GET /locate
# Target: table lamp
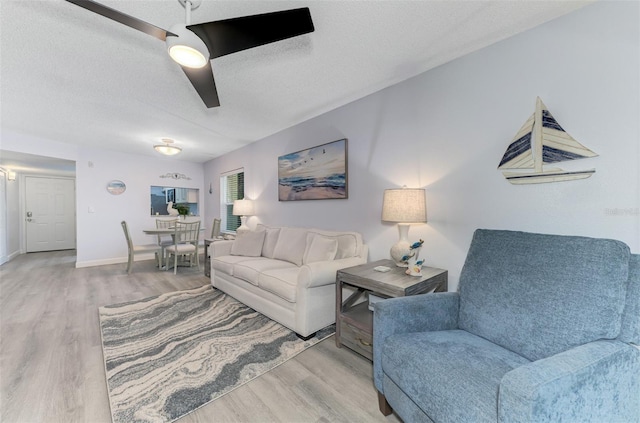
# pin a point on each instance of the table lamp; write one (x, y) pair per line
(243, 208)
(403, 206)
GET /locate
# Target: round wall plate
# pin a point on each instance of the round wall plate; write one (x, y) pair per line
(116, 187)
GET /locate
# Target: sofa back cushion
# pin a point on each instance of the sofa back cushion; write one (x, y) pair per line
(538, 295)
(319, 248)
(270, 240)
(291, 245)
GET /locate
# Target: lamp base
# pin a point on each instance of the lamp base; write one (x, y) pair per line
(399, 250)
(243, 228)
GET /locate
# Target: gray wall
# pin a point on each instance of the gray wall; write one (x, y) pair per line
(446, 130)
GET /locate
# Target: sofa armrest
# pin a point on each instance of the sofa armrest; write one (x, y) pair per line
(221, 248)
(419, 313)
(322, 273)
(593, 382)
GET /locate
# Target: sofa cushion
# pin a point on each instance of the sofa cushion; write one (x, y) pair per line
(349, 243)
(320, 248)
(281, 282)
(291, 245)
(249, 270)
(538, 295)
(249, 244)
(270, 240)
(462, 369)
(225, 264)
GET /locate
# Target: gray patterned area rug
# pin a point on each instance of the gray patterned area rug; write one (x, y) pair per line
(168, 355)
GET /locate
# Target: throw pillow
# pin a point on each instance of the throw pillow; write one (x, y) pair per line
(291, 245)
(320, 248)
(249, 244)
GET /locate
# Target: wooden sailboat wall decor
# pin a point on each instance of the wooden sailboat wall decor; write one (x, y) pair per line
(542, 141)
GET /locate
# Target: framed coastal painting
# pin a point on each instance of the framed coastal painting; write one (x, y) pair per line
(317, 173)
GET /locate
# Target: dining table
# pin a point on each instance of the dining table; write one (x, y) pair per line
(164, 231)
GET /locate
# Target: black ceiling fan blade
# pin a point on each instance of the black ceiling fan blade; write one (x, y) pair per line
(123, 18)
(203, 82)
(237, 34)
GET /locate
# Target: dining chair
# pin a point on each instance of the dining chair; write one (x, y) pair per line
(215, 228)
(185, 243)
(139, 249)
(163, 240)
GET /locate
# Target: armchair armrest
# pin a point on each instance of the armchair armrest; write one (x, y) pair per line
(324, 272)
(221, 248)
(593, 382)
(419, 313)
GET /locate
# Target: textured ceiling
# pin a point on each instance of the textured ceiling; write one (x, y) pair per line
(72, 76)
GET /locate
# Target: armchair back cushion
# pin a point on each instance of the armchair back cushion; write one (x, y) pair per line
(630, 331)
(510, 292)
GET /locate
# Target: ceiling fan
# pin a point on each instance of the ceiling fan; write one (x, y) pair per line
(193, 46)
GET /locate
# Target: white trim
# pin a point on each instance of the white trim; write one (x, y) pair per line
(115, 260)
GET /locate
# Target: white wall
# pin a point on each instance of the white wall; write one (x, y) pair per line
(12, 238)
(99, 235)
(447, 129)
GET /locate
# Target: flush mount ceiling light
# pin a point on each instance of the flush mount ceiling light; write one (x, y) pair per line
(167, 148)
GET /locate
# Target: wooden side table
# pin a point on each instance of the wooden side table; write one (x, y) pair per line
(354, 321)
(207, 259)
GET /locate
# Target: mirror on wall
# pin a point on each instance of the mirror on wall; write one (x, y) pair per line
(161, 196)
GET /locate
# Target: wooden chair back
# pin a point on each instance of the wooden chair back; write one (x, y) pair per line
(215, 229)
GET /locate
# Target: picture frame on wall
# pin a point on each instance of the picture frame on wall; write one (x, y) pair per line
(316, 173)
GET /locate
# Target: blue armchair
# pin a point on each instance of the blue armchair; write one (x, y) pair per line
(539, 331)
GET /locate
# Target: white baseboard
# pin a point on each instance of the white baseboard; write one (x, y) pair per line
(115, 260)
(5, 259)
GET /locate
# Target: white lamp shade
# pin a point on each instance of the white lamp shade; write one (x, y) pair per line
(243, 208)
(404, 205)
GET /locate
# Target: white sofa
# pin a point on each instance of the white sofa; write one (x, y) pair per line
(287, 274)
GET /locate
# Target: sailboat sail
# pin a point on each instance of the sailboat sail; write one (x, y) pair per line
(518, 154)
(557, 144)
(542, 140)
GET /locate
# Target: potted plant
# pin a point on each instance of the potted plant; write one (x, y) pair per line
(183, 209)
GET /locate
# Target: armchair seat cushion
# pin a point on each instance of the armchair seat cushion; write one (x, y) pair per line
(463, 373)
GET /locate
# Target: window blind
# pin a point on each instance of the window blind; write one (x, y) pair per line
(231, 189)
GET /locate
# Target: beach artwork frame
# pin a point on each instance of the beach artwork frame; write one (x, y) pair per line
(317, 173)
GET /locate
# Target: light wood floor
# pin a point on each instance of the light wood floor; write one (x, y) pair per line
(51, 367)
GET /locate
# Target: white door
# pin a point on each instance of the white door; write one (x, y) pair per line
(50, 214)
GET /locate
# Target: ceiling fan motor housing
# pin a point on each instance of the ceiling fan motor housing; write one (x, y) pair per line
(187, 48)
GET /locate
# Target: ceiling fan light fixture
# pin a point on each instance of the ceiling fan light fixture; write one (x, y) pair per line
(186, 48)
(167, 148)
